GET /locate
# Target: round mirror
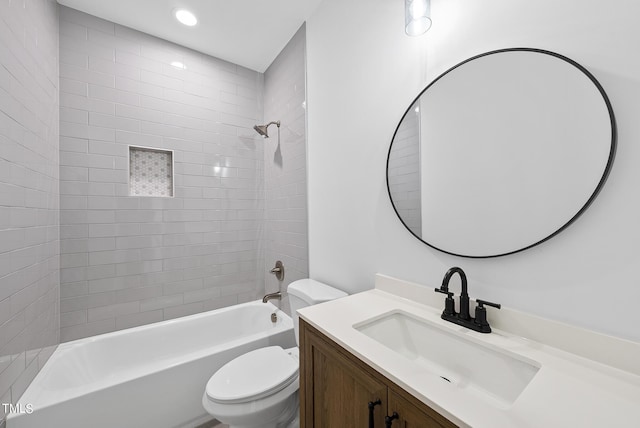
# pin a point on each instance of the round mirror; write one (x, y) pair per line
(501, 152)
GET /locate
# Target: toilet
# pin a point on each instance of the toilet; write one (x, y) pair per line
(260, 388)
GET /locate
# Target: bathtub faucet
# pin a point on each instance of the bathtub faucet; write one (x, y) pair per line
(276, 295)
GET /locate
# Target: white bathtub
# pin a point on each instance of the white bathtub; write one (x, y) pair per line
(150, 376)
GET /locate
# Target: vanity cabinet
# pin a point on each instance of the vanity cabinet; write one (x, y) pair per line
(338, 390)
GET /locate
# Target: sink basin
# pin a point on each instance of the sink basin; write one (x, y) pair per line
(490, 372)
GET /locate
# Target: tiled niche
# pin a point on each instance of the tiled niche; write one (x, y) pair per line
(150, 172)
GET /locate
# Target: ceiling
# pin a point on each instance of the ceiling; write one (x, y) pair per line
(250, 33)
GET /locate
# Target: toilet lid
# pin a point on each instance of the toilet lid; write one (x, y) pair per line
(253, 375)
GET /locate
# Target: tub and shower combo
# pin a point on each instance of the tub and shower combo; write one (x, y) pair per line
(149, 376)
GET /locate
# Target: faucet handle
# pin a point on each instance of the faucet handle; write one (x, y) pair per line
(484, 302)
(447, 292)
(449, 305)
(481, 315)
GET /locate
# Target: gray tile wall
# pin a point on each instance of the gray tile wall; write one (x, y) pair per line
(127, 261)
(404, 172)
(286, 165)
(29, 232)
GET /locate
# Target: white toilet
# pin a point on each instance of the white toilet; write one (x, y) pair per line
(260, 388)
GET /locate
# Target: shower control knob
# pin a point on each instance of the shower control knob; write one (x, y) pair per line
(278, 271)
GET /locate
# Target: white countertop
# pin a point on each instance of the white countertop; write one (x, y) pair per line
(567, 391)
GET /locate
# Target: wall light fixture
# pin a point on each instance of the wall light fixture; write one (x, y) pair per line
(417, 17)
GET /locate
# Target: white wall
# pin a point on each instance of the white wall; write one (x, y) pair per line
(362, 74)
(29, 187)
(285, 172)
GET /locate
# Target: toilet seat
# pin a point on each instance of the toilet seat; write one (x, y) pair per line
(252, 376)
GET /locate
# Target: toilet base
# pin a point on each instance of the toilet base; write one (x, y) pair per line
(289, 418)
(295, 423)
(278, 411)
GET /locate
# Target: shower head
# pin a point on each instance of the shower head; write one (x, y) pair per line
(262, 129)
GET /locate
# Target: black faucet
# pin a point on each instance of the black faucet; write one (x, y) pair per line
(463, 318)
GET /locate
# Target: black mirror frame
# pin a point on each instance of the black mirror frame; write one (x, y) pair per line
(605, 175)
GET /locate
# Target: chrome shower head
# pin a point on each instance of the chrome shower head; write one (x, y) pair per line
(262, 129)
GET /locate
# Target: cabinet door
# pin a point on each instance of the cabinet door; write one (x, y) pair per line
(411, 415)
(335, 391)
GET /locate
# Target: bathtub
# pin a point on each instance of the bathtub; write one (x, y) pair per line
(150, 376)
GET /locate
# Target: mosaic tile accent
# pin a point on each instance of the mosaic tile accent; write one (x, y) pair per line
(150, 172)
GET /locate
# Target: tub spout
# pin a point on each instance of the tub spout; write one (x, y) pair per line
(276, 295)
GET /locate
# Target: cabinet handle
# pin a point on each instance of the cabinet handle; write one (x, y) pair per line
(371, 405)
(388, 420)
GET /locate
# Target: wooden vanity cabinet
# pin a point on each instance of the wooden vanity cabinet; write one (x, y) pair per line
(414, 414)
(336, 389)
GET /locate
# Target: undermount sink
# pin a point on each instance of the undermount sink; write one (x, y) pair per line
(481, 369)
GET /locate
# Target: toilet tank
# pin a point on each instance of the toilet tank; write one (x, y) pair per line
(307, 292)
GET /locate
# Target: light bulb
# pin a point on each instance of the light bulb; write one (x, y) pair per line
(185, 17)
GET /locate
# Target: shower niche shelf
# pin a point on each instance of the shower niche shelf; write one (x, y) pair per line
(150, 172)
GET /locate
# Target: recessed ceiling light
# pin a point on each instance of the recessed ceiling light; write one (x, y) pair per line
(185, 17)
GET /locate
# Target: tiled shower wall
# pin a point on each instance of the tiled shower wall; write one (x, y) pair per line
(404, 172)
(286, 165)
(29, 233)
(128, 260)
